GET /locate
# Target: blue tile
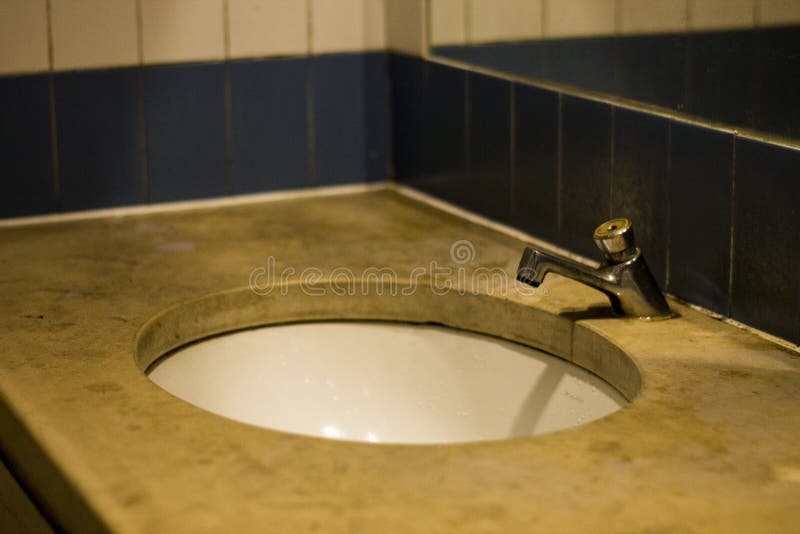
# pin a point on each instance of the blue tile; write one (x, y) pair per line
(585, 172)
(26, 163)
(97, 114)
(639, 183)
(700, 215)
(378, 115)
(185, 113)
(766, 233)
(406, 83)
(488, 186)
(442, 132)
(270, 133)
(536, 161)
(340, 135)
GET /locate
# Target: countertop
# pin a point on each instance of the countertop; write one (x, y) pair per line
(708, 444)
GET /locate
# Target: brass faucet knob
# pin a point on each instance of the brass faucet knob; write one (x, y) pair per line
(615, 239)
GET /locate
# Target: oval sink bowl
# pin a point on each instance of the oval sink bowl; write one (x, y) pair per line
(384, 382)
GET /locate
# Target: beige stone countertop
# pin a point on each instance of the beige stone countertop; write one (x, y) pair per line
(710, 442)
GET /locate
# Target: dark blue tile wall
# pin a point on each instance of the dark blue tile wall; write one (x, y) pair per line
(535, 199)
(639, 183)
(26, 164)
(406, 89)
(376, 96)
(766, 265)
(270, 124)
(585, 172)
(487, 189)
(340, 136)
(99, 149)
(185, 109)
(700, 215)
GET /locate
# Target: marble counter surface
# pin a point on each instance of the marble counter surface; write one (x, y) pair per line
(709, 443)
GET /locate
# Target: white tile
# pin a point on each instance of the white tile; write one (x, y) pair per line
(93, 33)
(375, 24)
(579, 18)
(23, 36)
(651, 16)
(447, 22)
(405, 22)
(720, 14)
(778, 12)
(267, 27)
(337, 26)
(504, 20)
(182, 30)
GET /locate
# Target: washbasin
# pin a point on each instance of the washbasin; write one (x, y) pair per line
(384, 382)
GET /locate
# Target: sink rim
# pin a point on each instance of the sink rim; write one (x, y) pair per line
(237, 309)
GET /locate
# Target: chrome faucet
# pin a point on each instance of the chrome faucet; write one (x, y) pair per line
(624, 276)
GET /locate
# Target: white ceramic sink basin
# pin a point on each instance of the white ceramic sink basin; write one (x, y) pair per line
(384, 382)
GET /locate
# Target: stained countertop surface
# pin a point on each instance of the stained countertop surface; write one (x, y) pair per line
(709, 442)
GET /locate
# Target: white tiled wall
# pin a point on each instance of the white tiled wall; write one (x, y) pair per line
(109, 33)
(476, 21)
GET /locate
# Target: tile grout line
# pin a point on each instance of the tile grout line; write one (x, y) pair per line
(228, 99)
(467, 126)
(142, 116)
(512, 147)
(311, 141)
(731, 250)
(51, 88)
(560, 165)
(669, 207)
(612, 162)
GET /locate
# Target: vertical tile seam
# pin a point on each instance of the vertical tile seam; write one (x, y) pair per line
(512, 147)
(467, 125)
(468, 21)
(668, 199)
(311, 141)
(144, 173)
(51, 97)
(612, 161)
(732, 222)
(543, 13)
(560, 164)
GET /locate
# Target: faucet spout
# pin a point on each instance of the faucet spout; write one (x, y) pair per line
(624, 276)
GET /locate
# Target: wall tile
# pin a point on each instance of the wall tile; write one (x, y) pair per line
(405, 30)
(185, 131)
(721, 14)
(651, 68)
(406, 86)
(443, 133)
(639, 183)
(376, 96)
(571, 18)
(585, 62)
(778, 12)
(267, 28)
(651, 16)
(23, 36)
(536, 161)
(270, 124)
(182, 30)
(504, 20)
(338, 26)
(98, 138)
(719, 63)
(700, 215)
(26, 163)
(94, 33)
(339, 118)
(778, 64)
(446, 22)
(488, 186)
(586, 172)
(766, 286)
